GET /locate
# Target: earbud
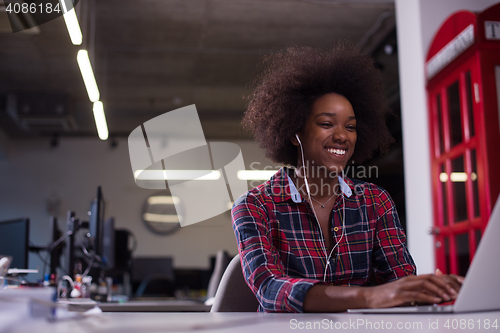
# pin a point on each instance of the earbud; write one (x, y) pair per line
(297, 136)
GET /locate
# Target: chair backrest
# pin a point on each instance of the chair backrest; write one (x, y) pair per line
(222, 259)
(233, 294)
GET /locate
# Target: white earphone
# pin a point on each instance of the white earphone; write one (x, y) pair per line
(303, 165)
(314, 211)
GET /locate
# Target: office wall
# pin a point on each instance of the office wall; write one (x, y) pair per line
(35, 179)
(417, 21)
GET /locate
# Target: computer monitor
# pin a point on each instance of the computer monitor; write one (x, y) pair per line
(55, 254)
(14, 241)
(153, 276)
(96, 222)
(123, 253)
(108, 244)
(144, 267)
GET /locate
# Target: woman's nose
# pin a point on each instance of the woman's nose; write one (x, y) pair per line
(340, 134)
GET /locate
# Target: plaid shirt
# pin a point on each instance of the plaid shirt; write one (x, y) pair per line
(282, 249)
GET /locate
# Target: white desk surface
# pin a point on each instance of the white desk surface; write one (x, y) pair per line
(152, 306)
(120, 322)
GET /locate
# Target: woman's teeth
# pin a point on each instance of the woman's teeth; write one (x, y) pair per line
(337, 151)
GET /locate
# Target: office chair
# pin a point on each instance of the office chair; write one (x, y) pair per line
(233, 294)
(222, 259)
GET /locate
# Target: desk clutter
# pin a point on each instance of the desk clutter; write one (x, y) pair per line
(91, 263)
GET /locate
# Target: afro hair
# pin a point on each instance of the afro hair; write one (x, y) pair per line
(298, 76)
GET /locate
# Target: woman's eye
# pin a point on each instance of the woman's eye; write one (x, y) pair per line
(326, 124)
(351, 128)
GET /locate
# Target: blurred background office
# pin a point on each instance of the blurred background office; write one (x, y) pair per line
(151, 57)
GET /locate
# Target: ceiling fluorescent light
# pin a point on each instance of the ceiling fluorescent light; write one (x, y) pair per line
(72, 24)
(163, 200)
(457, 177)
(177, 174)
(443, 177)
(100, 121)
(255, 174)
(88, 75)
(161, 218)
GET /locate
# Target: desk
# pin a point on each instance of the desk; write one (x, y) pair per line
(257, 322)
(155, 306)
(141, 306)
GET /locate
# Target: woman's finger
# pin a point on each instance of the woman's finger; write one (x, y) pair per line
(446, 283)
(428, 284)
(413, 297)
(438, 290)
(460, 279)
(453, 282)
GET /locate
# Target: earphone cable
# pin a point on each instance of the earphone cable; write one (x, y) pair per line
(329, 256)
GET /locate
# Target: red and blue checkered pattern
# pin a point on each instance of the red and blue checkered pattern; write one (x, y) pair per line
(281, 244)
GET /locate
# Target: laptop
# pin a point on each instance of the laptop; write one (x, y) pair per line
(480, 290)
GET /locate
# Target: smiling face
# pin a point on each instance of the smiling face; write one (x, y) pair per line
(329, 135)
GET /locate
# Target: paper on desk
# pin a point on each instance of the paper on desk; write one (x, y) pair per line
(17, 306)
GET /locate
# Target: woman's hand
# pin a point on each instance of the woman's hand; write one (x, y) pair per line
(453, 280)
(427, 289)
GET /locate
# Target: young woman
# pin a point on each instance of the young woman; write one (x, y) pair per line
(310, 238)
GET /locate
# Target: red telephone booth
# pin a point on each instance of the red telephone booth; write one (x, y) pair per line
(463, 90)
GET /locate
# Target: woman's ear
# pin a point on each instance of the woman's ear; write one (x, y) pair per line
(294, 140)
